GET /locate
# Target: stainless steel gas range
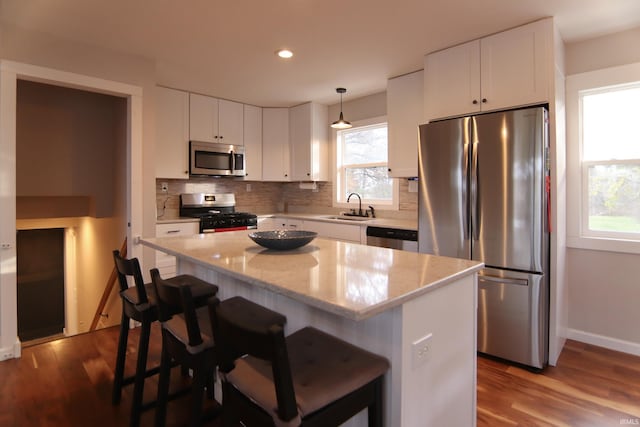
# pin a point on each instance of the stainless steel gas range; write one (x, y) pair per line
(217, 212)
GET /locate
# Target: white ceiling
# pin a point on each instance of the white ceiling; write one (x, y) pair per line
(226, 48)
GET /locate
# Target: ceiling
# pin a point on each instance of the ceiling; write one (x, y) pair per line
(226, 48)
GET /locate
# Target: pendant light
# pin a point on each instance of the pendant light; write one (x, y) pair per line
(341, 123)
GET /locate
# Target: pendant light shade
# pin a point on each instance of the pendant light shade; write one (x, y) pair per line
(341, 123)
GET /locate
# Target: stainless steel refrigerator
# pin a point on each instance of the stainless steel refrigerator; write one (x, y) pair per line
(483, 195)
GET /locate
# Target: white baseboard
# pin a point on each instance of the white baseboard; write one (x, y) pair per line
(604, 341)
(12, 352)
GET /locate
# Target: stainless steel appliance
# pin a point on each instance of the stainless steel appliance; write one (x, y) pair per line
(210, 159)
(483, 195)
(216, 212)
(394, 238)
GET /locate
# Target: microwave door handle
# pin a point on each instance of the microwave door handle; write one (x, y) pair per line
(232, 161)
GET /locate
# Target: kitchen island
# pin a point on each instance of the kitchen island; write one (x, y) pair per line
(417, 310)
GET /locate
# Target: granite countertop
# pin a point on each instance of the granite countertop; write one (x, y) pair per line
(405, 224)
(351, 280)
(377, 222)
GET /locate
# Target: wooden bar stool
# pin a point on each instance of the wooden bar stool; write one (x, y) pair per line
(310, 378)
(188, 341)
(139, 304)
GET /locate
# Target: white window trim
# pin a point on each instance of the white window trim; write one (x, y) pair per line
(576, 222)
(395, 203)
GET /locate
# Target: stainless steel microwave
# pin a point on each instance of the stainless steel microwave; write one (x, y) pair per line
(210, 159)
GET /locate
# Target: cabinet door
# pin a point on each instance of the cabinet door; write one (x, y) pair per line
(309, 142)
(514, 67)
(172, 133)
(343, 232)
(203, 118)
(300, 142)
(230, 122)
(452, 81)
(253, 143)
(405, 112)
(275, 144)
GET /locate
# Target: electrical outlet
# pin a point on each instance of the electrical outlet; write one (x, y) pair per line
(249, 188)
(164, 187)
(421, 350)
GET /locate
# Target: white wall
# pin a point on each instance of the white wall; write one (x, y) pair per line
(604, 287)
(40, 49)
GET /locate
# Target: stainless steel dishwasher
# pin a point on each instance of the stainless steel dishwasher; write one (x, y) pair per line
(394, 238)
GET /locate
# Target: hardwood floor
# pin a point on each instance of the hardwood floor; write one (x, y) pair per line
(589, 387)
(67, 382)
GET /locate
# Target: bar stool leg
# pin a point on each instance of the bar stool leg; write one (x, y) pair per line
(141, 368)
(375, 409)
(120, 358)
(163, 388)
(197, 393)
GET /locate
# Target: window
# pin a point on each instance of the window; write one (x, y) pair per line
(604, 161)
(611, 161)
(362, 166)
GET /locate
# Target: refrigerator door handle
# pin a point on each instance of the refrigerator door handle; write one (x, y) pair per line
(505, 280)
(465, 179)
(474, 199)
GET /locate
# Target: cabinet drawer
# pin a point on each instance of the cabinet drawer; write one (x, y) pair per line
(176, 229)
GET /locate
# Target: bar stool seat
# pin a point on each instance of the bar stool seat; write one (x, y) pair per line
(139, 304)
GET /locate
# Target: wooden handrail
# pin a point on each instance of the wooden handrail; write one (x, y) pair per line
(108, 288)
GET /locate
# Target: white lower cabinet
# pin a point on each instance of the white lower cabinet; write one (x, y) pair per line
(344, 232)
(166, 264)
(330, 230)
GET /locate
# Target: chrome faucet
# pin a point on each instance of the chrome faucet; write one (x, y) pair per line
(359, 202)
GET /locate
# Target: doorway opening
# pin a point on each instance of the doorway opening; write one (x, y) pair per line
(40, 281)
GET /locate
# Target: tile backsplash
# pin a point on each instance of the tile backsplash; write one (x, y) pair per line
(269, 197)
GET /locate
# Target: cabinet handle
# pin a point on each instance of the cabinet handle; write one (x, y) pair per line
(285, 175)
(388, 169)
(484, 100)
(475, 101)
(215, 137)
(221, 136)
(172, 231)
(308, 174)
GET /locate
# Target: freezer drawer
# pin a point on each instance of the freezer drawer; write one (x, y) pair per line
(513, 312)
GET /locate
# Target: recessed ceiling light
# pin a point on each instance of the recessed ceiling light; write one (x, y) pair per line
(284, 53)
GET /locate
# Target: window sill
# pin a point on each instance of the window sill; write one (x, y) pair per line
(606, 245)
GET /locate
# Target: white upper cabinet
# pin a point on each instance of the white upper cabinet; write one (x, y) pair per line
(505, 70)
(275, 144)
(405, 111)
(253, 143)
(215, 120)
(172, 133)
(309, 142)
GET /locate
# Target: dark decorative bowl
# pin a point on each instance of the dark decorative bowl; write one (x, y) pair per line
(282, 240)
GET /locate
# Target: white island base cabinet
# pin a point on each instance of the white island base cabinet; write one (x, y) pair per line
(432, 381)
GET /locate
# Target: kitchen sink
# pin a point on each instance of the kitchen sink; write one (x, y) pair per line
(348, 218)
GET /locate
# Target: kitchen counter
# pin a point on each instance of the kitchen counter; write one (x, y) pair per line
(404, 224)
(417, 310)
(350, 280)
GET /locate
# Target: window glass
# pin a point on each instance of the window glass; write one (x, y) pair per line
(362, 164)
(611, 161)
(610, 124)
